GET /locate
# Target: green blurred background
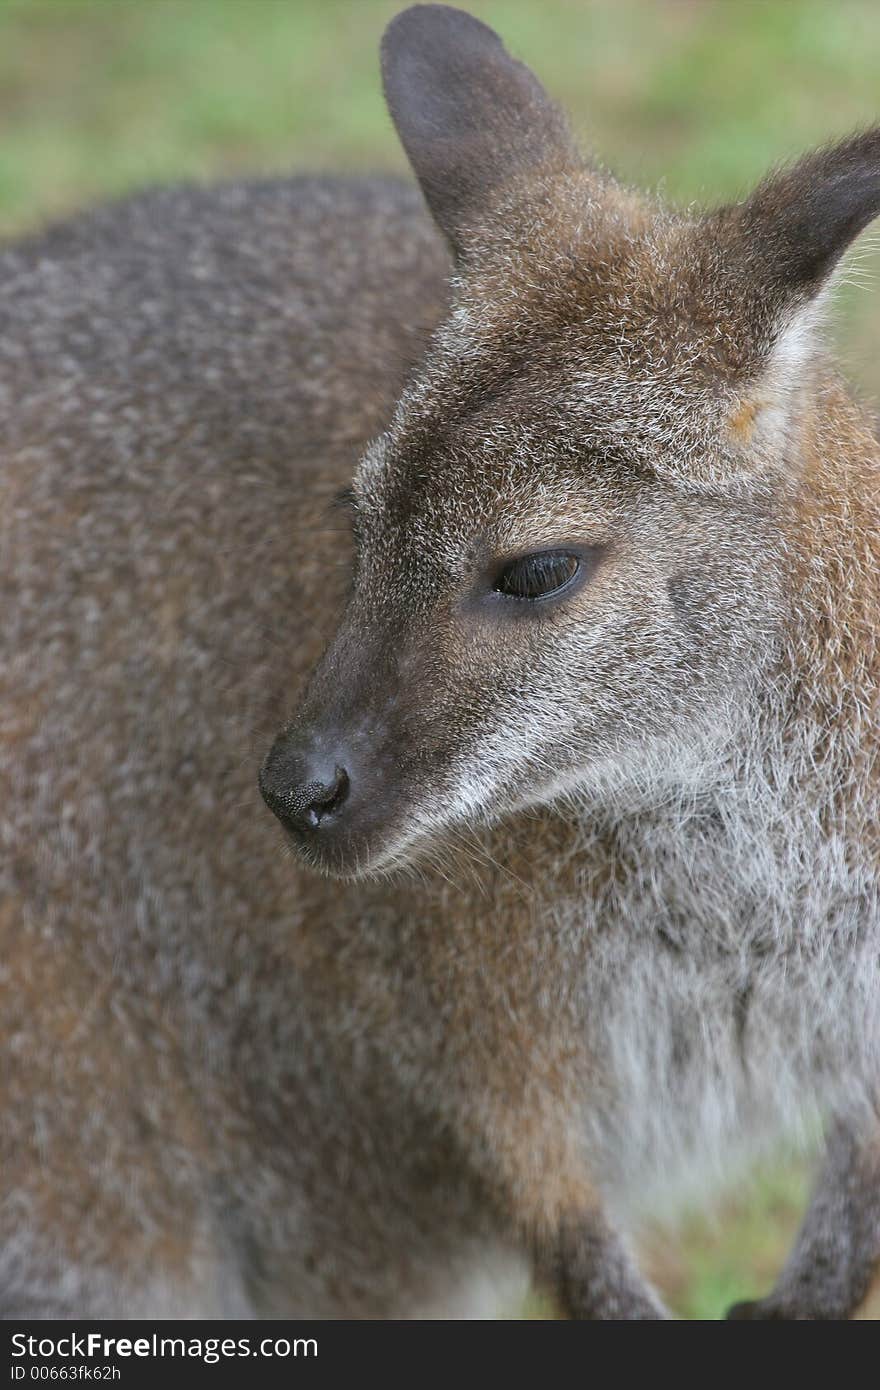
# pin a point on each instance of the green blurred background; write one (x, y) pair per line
(697, 97)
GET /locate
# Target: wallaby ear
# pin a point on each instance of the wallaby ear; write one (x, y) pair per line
(770, 259)
(784, 241)
(801, 219)
(470, 117)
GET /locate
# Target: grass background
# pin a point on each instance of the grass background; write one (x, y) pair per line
(697, 97)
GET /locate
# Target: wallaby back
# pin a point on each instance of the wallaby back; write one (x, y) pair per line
(187, 380)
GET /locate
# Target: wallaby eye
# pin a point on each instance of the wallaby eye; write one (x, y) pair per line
(537, 576)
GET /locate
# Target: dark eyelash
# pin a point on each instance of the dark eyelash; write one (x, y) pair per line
(542, 575)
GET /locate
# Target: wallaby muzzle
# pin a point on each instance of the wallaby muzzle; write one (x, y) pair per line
(333, 775)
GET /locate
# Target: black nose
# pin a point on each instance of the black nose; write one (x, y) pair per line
(303, 795)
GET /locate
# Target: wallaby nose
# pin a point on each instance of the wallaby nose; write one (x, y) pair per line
(304, 793)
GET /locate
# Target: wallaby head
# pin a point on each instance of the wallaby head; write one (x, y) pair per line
(569, 564)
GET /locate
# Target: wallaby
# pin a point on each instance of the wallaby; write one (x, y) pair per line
(589, 770)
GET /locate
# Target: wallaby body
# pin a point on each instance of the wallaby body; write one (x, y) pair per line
(639, 938)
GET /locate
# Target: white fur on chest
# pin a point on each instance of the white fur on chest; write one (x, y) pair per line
(732, 993)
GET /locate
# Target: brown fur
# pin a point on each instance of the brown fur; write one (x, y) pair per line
(606, 868)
